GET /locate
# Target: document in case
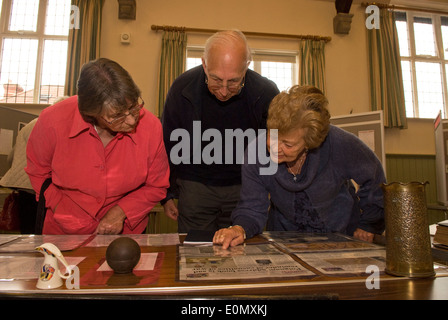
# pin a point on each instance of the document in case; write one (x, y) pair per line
(154, 240)
(353, 262)
(240, 262)
(27, 243)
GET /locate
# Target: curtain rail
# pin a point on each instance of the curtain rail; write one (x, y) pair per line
(404, 8)
(255, 34)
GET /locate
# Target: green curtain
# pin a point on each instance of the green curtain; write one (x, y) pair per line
(312, 63)
(172, 62)
(386, 81)
(84, 42)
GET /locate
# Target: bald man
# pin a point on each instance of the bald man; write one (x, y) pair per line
(210, 114)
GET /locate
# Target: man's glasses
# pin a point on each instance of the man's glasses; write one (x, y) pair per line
(232, 85)
(133, 111)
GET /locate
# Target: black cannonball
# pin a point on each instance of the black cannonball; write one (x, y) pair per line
(123, 254)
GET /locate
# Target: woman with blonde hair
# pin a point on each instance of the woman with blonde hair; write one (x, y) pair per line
(312, 189)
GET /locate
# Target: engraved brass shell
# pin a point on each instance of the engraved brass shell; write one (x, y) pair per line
(408, 244)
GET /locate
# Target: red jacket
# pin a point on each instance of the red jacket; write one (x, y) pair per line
(88, 179)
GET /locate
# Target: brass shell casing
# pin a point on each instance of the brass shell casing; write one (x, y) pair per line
(408, 244)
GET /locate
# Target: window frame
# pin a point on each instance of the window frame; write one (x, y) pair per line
(440, 57)
(39, 35)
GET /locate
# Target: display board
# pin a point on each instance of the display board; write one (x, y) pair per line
(11, 121)
(369, 127)
(441, 141)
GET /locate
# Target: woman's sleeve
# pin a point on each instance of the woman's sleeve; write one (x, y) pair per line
(40, 149)
(252, 210)
(362, 166)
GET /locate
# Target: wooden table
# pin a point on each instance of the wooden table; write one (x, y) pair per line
(167, 285)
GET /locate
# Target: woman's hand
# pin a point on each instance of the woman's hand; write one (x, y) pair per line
(363, 235)
(112, 222)
(171, 210)
(231, 236)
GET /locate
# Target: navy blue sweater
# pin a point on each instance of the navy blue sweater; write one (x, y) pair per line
(322, 199)
(189, 101)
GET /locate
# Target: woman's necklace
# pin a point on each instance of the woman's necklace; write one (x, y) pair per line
(299, 169)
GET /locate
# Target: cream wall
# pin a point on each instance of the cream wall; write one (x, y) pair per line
(346, 55)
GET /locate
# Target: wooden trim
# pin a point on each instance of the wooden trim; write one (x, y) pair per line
(247, 33)
(404, 8)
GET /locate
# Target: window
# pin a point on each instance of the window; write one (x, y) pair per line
(423, 41)
(33, 50)
(280, 67)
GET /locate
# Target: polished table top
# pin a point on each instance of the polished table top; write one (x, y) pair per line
(166, 283)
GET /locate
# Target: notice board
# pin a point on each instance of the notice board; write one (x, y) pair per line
(11, 121)
(369, 127)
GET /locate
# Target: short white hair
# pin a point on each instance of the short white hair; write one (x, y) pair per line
(228, 37)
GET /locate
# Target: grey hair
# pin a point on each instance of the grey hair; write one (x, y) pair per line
(228, 37)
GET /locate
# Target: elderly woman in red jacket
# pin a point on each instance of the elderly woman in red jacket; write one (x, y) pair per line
(104, 154)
